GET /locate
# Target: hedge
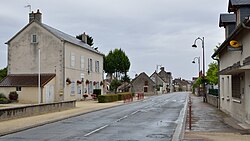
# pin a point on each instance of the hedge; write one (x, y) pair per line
(113, 97)
(121, 95)
(107, 98)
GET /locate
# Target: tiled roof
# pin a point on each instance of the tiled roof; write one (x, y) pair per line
(227, 18)
(25, 80)
(240, 2)
(69, 38)
(235, 3)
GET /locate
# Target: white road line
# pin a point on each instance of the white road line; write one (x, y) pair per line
(96, 130)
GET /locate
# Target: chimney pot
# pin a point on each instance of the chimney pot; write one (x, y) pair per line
(35, 16)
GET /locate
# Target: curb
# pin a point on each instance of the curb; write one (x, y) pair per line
(180, 129)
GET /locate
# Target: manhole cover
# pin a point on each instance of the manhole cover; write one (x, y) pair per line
(158, 136)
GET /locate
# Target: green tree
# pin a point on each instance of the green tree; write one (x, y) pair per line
(90, 40)
(114, 85)
(3, 73)
(212, 76)
(116, 62)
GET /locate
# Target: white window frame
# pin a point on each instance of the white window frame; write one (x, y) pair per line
(72, 88)
(82, 62)
(97, 66)
(90, 65)
(34, 38)
(72, 59)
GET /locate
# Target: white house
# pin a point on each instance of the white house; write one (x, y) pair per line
(76, 67)
(234, 61)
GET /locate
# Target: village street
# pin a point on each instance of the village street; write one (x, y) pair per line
(153, 119)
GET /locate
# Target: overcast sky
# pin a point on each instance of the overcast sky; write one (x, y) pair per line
(151, 32)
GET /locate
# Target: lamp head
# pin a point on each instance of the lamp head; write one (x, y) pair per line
(194, 45)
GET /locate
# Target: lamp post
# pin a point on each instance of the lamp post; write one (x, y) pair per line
(198, 58)
(156, 86)
(203, 60)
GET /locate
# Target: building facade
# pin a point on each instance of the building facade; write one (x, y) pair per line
(234, 61)
(78, 68)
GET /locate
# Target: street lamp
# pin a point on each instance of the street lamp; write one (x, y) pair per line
(203, 60)
(198, 58)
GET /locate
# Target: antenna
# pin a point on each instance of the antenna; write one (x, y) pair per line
(28, 6)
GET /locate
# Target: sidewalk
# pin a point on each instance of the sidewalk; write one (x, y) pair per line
(15, 125)
(210, 124)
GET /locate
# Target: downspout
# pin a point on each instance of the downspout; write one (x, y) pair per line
(218, 81)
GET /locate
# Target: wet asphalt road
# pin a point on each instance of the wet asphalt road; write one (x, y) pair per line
(154, 119)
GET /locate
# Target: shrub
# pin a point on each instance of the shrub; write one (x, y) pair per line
(4, 100)
(13, 96)
(97, 92)
(121, 95)
(107, 98)
(2, 95)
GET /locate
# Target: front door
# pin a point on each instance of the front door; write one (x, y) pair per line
(49, 93)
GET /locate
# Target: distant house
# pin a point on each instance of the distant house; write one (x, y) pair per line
(143, 84)
(159, 82)
(181, 85)
(167, 78)
(76, 67)
(234, 61)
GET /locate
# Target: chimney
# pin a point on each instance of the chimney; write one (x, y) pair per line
(84, 37)
(35, 16)
(162, 68)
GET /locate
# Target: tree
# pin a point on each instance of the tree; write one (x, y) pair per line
(116, 62)
(114, 85)
(212, 76)
(3, 73)
(90, 40)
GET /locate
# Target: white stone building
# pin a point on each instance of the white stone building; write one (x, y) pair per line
(234, 61)
(77, 67)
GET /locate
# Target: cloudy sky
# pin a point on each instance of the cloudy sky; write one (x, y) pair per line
(151, 32)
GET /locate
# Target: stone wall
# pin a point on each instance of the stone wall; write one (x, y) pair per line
(213, 100)
(36, 109)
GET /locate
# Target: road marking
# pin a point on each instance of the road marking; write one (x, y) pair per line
(96, 130)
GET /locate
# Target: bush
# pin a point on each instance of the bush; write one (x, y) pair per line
(97, 92)
(13, 96)
(2, 95)
(107, 98)
(121, 95)
(4, 100)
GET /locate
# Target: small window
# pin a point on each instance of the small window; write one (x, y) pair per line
(90, 65)
(97, 66)
(146, 83)
(82, 62)
(145, 89)
(72, 88)
(34, 38)
(18, 89)
(72, 60)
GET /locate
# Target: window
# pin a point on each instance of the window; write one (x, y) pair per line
(72, 88)
(72, 59)
(34, 38)
(90, 65)
(145, 89)
(236, 86)
(146, 83)
(82, 62)
(18, 89)
(97, 66)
